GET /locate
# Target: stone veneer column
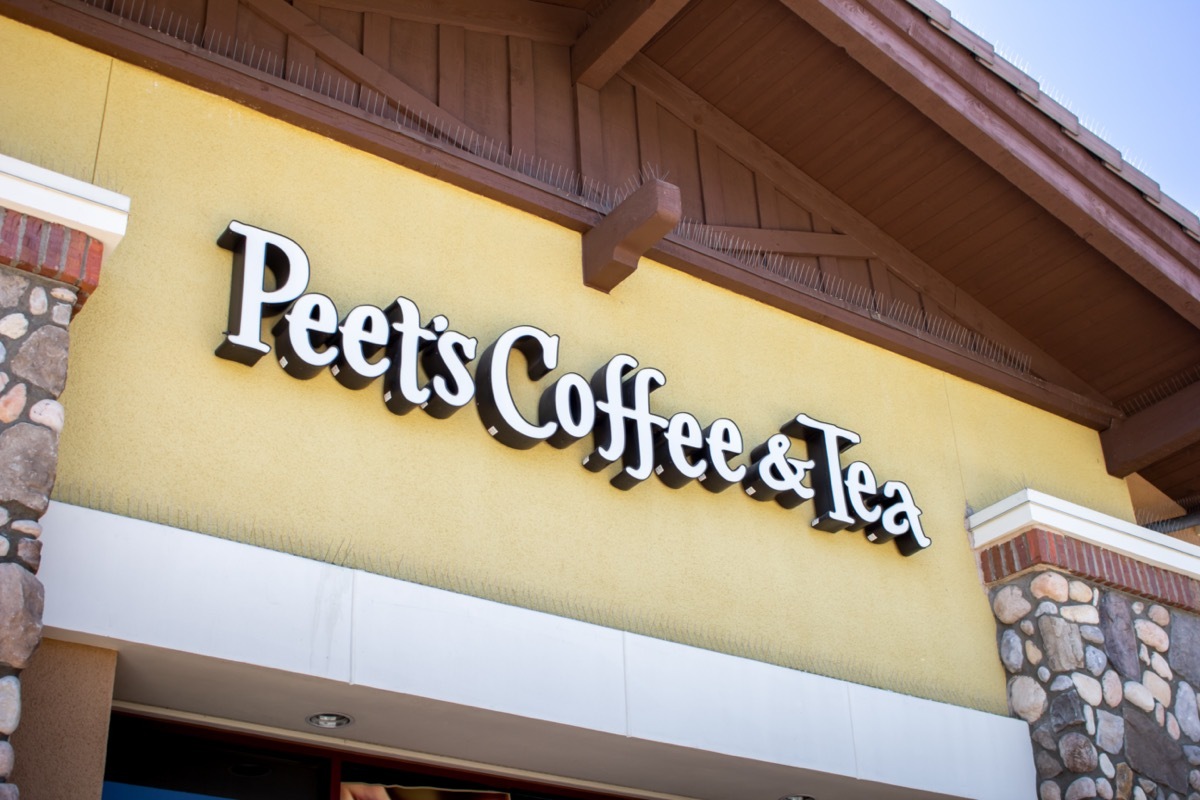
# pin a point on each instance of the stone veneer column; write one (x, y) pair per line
(47, 270)
(1103, 654)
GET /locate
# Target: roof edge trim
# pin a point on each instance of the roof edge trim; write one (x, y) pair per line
(1028, 87)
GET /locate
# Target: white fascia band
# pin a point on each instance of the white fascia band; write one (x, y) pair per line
(1033, 509)
(214, 627)
(53, 197)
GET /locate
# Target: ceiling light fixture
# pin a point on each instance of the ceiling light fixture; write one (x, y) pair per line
(798, 797)
(329, 720)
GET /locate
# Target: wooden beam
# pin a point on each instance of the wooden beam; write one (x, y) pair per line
(830, 267)
(798, 242)
(767, 198)
(1149, 436)
(1101, 217)
(754, 153)
(353, 63)
(541, 22)
(616, 36)
(611, 250)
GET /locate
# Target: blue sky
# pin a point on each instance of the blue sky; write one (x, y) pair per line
(1130, 69)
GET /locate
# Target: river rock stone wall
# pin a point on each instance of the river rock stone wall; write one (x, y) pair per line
(47, 271)
(34, 316)
(1107, 682)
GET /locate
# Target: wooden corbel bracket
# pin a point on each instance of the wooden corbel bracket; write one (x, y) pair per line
(611, 249)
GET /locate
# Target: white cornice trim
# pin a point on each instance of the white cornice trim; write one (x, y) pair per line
(1029, 508)
(48, 195)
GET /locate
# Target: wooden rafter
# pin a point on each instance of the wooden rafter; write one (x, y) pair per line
(616, 36)
(353, 63)
(952, 100)
(756, 154)
(1162, 430)
(531, 20)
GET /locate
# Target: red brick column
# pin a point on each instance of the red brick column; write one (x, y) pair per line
(1046, 548)
(47, 272)
(52, 251)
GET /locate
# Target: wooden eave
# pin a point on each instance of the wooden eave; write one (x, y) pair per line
(870, 165)
(950, 85)
(1000, 115)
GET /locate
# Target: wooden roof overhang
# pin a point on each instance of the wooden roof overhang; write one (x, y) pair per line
(870, 165)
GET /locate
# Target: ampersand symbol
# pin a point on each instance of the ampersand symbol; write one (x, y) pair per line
(773, 475)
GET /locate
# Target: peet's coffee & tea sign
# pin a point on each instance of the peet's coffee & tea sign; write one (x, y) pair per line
(426, 366)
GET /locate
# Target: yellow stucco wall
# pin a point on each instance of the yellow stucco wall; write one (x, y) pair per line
(158, 427)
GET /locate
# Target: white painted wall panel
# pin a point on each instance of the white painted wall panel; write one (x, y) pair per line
(446, 646)
(138, 581)
(710, 701)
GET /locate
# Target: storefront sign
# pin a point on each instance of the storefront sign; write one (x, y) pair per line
(425, 366)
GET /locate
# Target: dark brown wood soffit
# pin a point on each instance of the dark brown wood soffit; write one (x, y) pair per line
(898, 45)
(438, 149)
(846, 129)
